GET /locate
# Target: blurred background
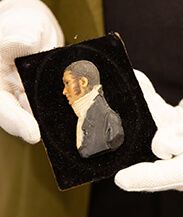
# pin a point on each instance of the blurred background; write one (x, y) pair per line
(153, 35)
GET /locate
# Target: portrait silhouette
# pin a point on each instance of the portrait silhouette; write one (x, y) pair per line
(99, 128)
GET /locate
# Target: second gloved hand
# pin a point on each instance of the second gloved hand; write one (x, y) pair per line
(167, 144)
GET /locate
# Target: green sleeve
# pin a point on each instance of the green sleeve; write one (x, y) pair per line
(80, 20)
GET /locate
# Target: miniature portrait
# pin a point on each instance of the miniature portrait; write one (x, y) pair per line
(92, 115)
(99, 128)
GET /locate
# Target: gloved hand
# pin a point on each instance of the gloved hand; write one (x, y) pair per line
(167, 144)
(27, 26)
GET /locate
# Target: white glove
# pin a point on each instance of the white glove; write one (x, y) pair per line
(167, 144)
(26, 27)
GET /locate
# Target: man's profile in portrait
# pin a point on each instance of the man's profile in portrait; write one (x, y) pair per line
(99, 128)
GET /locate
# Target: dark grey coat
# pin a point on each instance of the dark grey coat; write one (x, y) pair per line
(102, 129)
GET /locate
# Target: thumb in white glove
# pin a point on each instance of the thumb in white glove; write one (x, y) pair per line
(167, 144)
(26, 27)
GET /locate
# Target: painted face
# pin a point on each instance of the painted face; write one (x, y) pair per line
(73, 89)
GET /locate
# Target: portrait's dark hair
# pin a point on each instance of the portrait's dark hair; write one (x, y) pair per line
(85, 68)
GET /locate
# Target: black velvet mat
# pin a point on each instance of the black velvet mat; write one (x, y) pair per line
(42, 74)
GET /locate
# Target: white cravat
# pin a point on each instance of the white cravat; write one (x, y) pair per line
(80, 108)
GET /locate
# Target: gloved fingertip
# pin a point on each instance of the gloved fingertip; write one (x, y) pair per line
(122, 180)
